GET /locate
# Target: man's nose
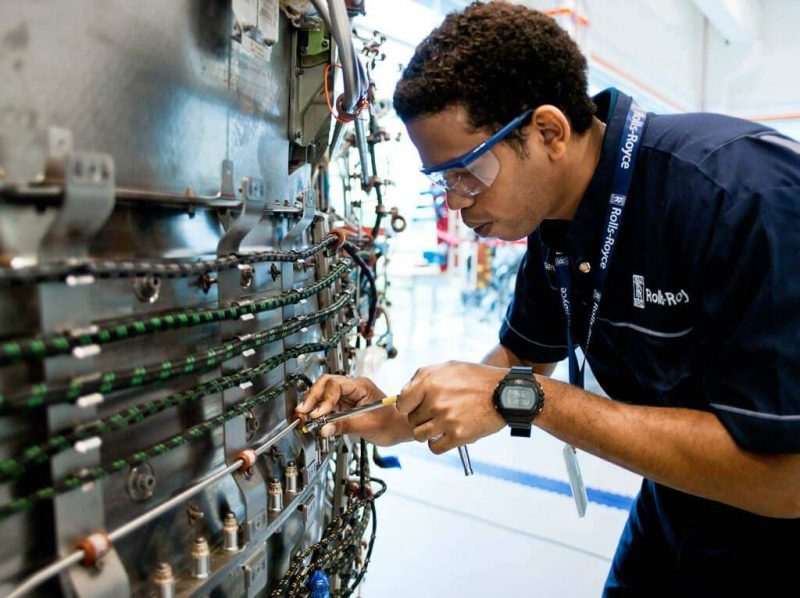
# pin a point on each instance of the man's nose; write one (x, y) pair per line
(458, 202)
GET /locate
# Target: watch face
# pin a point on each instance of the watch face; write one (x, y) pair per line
(517, 397)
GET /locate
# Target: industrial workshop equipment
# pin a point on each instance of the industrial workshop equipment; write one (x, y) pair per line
(170, 283)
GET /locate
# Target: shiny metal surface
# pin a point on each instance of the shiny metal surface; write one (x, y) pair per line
(201, 559)
(125, 131)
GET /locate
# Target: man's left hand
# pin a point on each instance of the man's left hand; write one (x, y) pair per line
(451, 404)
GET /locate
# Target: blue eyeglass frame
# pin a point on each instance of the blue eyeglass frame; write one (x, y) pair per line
(464, 160)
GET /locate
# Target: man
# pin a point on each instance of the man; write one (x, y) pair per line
(676, 240)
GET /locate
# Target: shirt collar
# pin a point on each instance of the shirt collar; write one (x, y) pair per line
(581, 237)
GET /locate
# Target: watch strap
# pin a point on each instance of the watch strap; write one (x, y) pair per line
(519, 430)
(520, 371)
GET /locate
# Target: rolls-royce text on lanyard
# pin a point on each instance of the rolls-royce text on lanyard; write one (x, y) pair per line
(623, 175)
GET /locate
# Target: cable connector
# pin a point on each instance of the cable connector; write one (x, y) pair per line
(248, 457)
(94, 546)
(341, 235)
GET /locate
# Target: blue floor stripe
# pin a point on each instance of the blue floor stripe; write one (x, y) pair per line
(602, 497)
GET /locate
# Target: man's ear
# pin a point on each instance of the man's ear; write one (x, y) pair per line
(551, 127)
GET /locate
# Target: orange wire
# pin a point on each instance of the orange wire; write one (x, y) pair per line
(361, 104)
(328, 95)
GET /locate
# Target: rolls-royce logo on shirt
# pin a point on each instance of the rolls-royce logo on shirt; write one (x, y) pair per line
(642, 295)
(638, 291)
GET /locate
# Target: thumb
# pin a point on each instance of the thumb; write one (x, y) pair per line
(359, 426)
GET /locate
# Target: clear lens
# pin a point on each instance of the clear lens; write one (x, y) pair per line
(470, 180)
(485, 168)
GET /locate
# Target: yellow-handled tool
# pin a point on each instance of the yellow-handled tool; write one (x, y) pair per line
(316, 424)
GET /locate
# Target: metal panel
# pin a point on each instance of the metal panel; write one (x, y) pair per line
(124, 129)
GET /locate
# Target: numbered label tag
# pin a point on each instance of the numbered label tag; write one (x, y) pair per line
(575, 479)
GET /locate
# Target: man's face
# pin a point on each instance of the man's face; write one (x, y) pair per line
(519, 198)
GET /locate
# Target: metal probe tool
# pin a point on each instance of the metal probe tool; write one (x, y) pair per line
(316, 424)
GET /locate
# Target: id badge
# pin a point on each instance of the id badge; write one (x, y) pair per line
(575, 479)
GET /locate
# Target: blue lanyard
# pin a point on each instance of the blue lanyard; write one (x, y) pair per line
(623, 175)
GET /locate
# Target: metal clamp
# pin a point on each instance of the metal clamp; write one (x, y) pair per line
(89, 196)
(250, 216)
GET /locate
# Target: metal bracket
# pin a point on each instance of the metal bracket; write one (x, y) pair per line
(226, 188)
(250, 216)
(110, 578)
(308, 114)
(306, 508)
(89, 196)
(251, 485)
(255, 571)
(295, 234)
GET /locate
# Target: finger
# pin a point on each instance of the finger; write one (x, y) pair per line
(423, 413)
(313, 395)
(357, 426)
(331, 394)
(426, 431)
(442, 444)
(413, 393)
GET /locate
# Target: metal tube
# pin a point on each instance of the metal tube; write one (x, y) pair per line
(145, 518)
(188, 493)
(43, 575)
(355, 77)
(57, 567)
(340, 27)
(465, 461)
(363, 153)
(322, 9)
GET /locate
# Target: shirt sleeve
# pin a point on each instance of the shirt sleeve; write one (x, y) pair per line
(534, 327)
(751, 311)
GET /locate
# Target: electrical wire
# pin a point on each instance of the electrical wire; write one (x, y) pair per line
(14, 467)
(42, 575)
(75, 480)
(342, 532)
(80, 389)
(56, 271)
(352, 251)
(37, 348)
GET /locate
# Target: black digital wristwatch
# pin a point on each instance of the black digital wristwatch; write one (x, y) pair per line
(519, 398)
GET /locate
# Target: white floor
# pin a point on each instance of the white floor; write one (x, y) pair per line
(511, 529)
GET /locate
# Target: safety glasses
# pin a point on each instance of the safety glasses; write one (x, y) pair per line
(473, 172)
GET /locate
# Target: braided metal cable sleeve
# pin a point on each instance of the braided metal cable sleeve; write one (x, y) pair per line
(57, 271)
(14, 467)
(78, 479)
(37, 348)
(79, 389)
(352, 251)
(344, 530)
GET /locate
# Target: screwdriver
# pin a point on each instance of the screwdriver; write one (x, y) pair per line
(316, 424)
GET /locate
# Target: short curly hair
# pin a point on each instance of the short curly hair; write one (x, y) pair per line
(496, 60)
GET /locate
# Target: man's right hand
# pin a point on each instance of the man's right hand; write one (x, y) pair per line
(338, 393)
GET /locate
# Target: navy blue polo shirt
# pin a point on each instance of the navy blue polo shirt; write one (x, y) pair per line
(701, 308)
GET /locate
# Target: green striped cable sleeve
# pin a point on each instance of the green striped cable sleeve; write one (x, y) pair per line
(14, 467)
(75, 480)
(32, 349)
(43, 394)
